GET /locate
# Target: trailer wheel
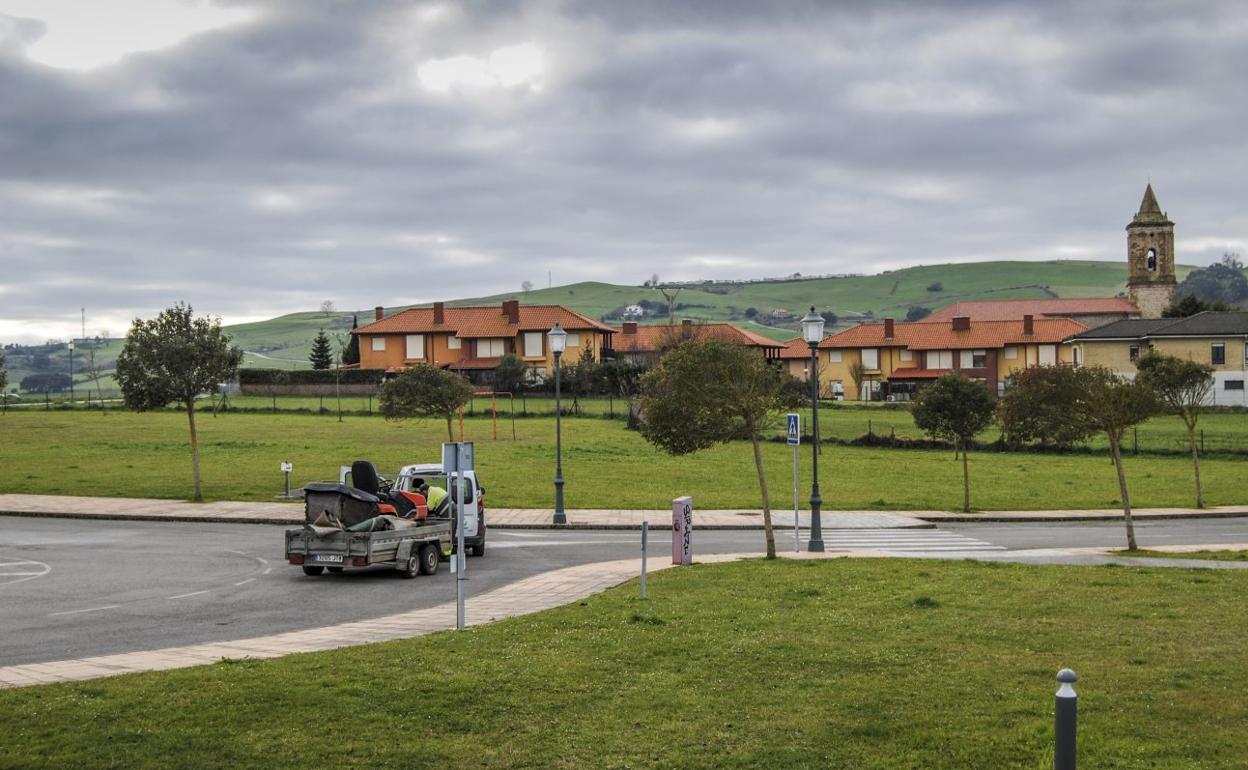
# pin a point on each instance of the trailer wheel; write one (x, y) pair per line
(428, 559)
(410, 568)
(313, 571)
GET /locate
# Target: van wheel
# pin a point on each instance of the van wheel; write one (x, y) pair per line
(313, 571)
(477, 550)
(410, 568)
(428, 559)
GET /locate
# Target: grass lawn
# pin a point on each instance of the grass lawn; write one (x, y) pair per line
(606, 466)
(837, 664)
(1207, 555)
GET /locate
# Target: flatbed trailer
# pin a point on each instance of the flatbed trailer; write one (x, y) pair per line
(411, 547)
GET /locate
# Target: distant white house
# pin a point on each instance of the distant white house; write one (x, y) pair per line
(634, 311)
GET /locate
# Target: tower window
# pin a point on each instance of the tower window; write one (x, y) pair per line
(1150, 259)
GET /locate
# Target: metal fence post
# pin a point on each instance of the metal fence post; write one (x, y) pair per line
(645, 529)
(1065, 718)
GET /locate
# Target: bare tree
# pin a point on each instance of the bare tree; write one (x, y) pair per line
(857, 373)
(527, 286)
(327, 308)
(1181, 387)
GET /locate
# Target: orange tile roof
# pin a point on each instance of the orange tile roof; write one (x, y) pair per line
(476, 322)
(928, 335)
(1015, 309)
(799, 348)
(649, 339)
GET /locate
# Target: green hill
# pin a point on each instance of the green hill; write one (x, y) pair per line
(286, 341)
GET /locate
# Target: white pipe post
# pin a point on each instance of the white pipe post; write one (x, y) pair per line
(645, 529)
(460, 563)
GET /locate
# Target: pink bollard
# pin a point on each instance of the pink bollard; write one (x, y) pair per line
(682, 530)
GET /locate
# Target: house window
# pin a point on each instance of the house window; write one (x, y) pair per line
(573, 340)
(492, 348)
(905, 354)
(940, 359)
(980, 359)
(532, 344)
(1011, 353)
(966, 359)
(454, 343)
(415, 346)
(1134, 352)
(1233, 385)
(379, 344)
(1047, 355)
(1217, 353)
(871, 358)
(1150, 260)
(834, 356)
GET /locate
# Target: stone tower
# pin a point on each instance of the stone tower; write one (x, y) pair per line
(1150, 258)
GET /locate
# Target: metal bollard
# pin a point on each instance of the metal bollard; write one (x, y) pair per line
(1065, 719)
(645, 530)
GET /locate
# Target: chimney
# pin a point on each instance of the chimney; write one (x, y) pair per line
(961, 323)
(888, 328)
(381, 312)
(511, 309)
(630, 327)
(686, 322)
(1029, 325)
(439, 312)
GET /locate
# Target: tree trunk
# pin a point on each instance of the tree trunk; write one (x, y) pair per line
(1115, 452)
(450, 432)
(966, 481)
(762, 485)
(1191, 440)
(190, 416)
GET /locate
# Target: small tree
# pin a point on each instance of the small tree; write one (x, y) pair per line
(322, 356)
(858, 375)
(511, 374)
(1036, 407)
(917, 313)
(423, 391)
(327, 308)
(707, 393)
(172, 359)
(526, 286)
(1181, 387)
(1111, 404)
(957, 409)
(352, 355)
(4, 381)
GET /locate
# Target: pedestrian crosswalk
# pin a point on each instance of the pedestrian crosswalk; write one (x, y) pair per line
(911, 540)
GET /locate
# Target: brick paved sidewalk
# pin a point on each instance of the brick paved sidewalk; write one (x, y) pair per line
(528, 518)
(533, 594)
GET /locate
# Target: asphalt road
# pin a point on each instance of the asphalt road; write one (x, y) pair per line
(75, 588)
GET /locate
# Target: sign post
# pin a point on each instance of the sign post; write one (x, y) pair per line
(645, 530)
(793, 432)
(286, 469)
(682, 530)
(456, 459)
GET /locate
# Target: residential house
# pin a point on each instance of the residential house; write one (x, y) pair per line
(898, 358)
(1219, 339)
(644, 344)
(472, 340)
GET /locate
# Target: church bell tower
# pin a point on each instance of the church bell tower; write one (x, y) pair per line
(1150, 258)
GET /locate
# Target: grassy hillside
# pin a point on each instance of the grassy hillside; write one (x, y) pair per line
(285, 342)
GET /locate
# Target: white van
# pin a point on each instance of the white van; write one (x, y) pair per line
(409, 480)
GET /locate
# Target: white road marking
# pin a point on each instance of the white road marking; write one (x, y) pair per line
(183, 596)
(32, 570)
(245, 582)
(89, 609)
(267, 570)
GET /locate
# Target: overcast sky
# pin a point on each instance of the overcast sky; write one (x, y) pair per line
(255, 157)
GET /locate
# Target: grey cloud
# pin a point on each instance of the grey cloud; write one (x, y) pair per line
(259, 169)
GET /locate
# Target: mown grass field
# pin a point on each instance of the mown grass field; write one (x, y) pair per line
(860, 664)
(1201, 555)
(606, 466)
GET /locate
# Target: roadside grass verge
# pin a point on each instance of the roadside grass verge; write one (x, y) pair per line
(124, 454)
(1212, 555)
(834, 664)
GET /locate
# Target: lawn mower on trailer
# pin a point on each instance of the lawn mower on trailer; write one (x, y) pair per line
(368, 524)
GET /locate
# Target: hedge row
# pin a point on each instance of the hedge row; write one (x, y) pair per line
(309, 376)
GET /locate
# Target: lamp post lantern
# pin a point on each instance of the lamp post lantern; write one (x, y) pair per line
(71, 372)
(558, 337)
(812, 332)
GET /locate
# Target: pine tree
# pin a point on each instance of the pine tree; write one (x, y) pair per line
(322, 356)
(352, 355)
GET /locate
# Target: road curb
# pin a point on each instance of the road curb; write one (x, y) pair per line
(997, 519)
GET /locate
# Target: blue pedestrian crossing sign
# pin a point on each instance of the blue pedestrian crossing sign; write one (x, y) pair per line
(794, 429)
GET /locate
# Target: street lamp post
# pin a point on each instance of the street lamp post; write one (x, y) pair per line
(558, 337)
(812, 332)
(71, 372)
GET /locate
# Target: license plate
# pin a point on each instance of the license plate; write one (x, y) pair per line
(329, 557)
